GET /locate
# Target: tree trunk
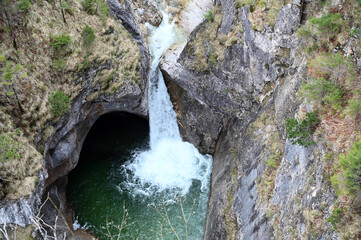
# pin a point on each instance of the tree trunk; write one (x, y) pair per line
(62, 10)
(9, 25)
(19, 104)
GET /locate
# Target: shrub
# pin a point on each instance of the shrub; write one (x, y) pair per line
(89, 6)
(58, 64)
(351, 165)
(300, 132)
(335, 67)
(274, 160)
(60, 42)
(335, 216)
(23, 5)
(67, 7)
(88, 36)
(354, 108)
(60, 103)
(9, 148)
(328, 23)
(103, 9)
(324, 91)
(7, 75)
(210, 15)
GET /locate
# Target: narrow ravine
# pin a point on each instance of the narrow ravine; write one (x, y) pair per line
(162, 187)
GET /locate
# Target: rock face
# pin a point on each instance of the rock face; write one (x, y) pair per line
(232, 87)
(64, 144)
(234, 106)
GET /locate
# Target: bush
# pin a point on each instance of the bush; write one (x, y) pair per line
(324, 91)
(354, 108)
(88, 36)
(274, 161)
(58, 64)
(60, 103)
(210, 15)
(103, 9)
(335, 216)
(328, 23)
(335, 67)
(300, 132)
(351, 165)
(9, 148)
(23, 5)
(60, 42)
(89, 6)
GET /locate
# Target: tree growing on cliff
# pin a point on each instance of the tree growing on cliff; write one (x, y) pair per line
(9, 72)
(300, 131)
(59, 103)
(6, 9)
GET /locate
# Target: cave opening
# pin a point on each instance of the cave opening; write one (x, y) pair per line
(106, 199)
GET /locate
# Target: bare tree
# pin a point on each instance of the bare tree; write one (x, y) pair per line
(5, 7)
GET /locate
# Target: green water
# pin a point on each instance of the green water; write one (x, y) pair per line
(98, 196)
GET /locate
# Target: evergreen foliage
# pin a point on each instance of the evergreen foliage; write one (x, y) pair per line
(328, 23)
(23, 5)
(351, 174)
(88, 36)
(60, 103)
(354, 108)
(8, 74)
(89, 6)
(60, 42)
(324, 91)
(210, 15)
(300, 132)
(335, 216)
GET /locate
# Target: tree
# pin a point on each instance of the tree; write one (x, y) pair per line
(62, 10)
(9, 73)
(60, 103)
(6, 8)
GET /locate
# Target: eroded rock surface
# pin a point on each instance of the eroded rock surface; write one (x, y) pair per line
(245, 81)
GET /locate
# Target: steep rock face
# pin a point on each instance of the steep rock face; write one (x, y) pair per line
(64, 137)
(245, 81)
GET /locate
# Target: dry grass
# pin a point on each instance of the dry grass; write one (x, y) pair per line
(208, 46)
(264, 12)
(33, 32)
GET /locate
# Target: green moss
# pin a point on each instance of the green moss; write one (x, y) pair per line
(231, 221)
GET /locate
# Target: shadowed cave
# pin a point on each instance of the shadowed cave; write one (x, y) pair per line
(93, 185)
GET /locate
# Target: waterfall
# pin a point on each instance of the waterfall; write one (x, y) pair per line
(170, 165)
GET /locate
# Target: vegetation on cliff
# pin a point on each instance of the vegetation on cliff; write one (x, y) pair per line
(43, 52)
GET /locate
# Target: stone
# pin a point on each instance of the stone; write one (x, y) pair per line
(289, 19)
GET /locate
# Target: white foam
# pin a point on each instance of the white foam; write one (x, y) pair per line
(170, 166)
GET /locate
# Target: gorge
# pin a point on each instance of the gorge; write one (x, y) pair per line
(242, 72)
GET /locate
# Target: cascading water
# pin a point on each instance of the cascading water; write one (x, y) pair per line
(163, 184)
(170, 165)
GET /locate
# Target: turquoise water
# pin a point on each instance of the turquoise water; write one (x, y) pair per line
(98, 193)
